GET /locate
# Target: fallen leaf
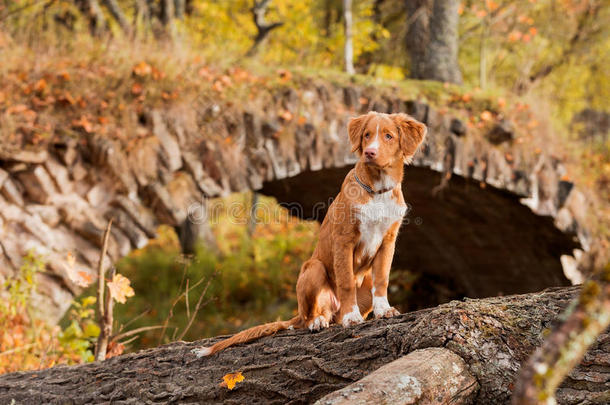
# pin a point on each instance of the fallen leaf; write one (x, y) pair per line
(286, 115)
(284, 74)
(80, 278)
(40, 85)
(232, 379)
(83, 123)
(114, 349)
(486, 116)
(65, 76)
(136, 89)
(142, 69)
(120, 288)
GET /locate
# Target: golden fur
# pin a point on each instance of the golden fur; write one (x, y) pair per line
(347, 275)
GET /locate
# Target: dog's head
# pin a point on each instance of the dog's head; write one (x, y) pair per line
(384, 139)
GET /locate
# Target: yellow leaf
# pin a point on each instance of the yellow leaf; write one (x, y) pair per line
(120, 288)
(71, 259)
(486, 116)
(232, 379)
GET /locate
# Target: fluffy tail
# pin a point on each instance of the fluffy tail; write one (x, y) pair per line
(248, 335)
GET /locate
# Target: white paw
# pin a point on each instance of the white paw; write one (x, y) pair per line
(382, 308)
(352, 318)
(318, 323)
(202, 352)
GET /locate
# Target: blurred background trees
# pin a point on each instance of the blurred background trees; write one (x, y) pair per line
(544, 58)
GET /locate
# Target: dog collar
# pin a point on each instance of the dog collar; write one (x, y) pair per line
(370, 190)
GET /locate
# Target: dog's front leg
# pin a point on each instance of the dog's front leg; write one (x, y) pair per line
(349, 313)
(381, 275)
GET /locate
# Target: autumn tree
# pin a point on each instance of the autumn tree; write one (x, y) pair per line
(432, 39)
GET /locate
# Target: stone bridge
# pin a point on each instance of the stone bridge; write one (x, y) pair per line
(488, 216)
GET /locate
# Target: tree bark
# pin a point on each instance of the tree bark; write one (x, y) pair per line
(493, 336)
(118, 15)
(348, 46)
(432, 39)
(263, 28)
(93, 12)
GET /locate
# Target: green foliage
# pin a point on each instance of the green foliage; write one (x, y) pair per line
(251, 278)
(20, 288)
(82, 331)
(28, 343)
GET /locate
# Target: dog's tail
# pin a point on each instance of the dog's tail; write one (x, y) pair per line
(249, 335)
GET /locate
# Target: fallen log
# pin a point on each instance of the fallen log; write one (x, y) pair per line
(493, 337)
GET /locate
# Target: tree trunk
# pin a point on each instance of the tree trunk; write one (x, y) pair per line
(432, 39)
(349, 46)
(180, 7)
(492, 336)
(118, 15)
(263, 28)
(93, 12)
(167, 12)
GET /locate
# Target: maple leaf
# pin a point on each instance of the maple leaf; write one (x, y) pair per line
(80, 278)
(114, 349)
(120, 288)
(233, 378)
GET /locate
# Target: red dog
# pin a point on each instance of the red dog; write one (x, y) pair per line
(347, 275)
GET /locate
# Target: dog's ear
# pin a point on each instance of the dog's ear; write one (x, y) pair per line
(355, 129)
(412, 134)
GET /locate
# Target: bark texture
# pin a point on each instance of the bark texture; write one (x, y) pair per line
(432, 39)
(426, 376)
(493, 336)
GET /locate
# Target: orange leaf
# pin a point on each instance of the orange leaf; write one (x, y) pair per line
(515, 36)
(114, 349)
(17, 109)
(83, 123)
(80, 278)
(142, 69)
(286, 115)
(40, 85)
(218, 86)
(284, 74)
(486, 116)
(136, 89)
(65, 76)
(120, 288)
(232, 379)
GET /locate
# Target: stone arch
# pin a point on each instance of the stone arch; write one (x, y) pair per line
(57, 199)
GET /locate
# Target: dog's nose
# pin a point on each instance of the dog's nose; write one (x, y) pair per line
(370, 153)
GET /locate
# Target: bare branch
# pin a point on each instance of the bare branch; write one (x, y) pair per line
(262, 26)
(104, 311)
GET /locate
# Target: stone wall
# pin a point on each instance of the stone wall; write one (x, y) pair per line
(57, 201)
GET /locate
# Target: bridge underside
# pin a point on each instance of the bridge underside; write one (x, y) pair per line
(464, 241)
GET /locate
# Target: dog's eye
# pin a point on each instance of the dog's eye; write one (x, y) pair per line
(367, 135)
(388, 136)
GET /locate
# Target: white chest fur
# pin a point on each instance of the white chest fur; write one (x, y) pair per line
(376, 217)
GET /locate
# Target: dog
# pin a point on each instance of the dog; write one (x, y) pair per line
(347, 276)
